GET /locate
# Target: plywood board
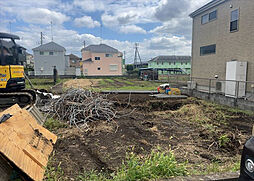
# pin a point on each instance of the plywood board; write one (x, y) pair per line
(26, 143)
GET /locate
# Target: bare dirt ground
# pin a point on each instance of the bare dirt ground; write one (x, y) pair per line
(81, 83)
(193, 129)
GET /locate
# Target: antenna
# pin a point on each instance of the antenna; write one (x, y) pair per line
(84, 42)
(137, 56)
(51, 28)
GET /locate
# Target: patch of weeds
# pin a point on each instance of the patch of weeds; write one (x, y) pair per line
(223, 140)
(54, 124)
(236, 166)
(53, 173)
(110, 80)
(92, 176)
(215, 167)
(158, 164)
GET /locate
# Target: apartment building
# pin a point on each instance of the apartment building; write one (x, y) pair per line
(182, 63)
(223, 31)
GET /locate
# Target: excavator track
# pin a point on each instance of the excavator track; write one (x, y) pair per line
(23, 98)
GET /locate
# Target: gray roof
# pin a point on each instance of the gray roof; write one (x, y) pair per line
(101, 48)
(206, 7)
(51, 46)
(172, 59)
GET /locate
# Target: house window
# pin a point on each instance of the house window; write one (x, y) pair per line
(113, 67)
(213, 15)
(206, 50)
(209, 17)
(97, 58)
(51, 53)
(234, 20)
(41, 53)
(109, 55)
(98, 68)
(205, 19)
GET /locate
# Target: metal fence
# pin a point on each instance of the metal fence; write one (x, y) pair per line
(229, 88)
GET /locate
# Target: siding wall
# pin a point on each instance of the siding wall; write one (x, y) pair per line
(90, 68)
(185, 66)
(47, 62)
(229, 46)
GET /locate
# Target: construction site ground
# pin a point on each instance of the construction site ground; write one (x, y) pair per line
(207, 137)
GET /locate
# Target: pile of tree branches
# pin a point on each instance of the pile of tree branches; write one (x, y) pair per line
(79, 106)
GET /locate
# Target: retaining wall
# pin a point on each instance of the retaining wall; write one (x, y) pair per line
(221, 99)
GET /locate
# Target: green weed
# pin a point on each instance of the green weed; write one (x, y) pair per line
(53, 124)
(223, 140)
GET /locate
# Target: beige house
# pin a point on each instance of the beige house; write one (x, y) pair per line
(101, 60)
(223, 31)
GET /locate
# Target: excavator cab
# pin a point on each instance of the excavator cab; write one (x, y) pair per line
(11, 68)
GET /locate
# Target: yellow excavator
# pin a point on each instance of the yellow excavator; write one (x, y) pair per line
(12, 77)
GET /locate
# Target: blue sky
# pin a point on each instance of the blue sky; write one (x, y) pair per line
(161, 27)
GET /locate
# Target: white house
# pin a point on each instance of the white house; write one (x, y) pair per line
(49, 55)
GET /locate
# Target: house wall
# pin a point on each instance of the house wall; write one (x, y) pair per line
(90, 68)
(47, 62)
(238, 45)
(186, 66)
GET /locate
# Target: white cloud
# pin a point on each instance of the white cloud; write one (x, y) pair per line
(42, 16)
(86, 21)
(132, 29)
(90, 5)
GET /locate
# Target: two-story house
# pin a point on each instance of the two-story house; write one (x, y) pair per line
(223, 31)
(101, 60)
(47, 56)
(171, 62)
(74, 60)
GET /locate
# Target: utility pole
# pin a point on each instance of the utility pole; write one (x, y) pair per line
(137, 56)
(101, 34)
(10, 26)
(42, 37)
(51, 28)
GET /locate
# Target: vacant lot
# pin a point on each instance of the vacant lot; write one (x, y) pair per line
(112, 84)
(204, 138)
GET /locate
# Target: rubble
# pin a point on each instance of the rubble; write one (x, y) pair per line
(79, 106)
